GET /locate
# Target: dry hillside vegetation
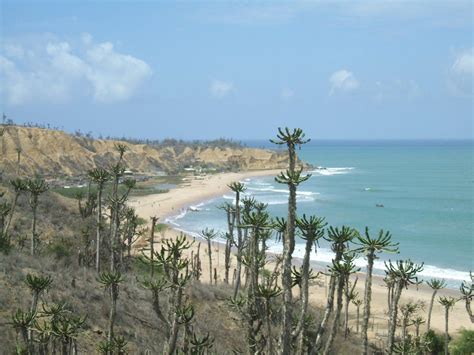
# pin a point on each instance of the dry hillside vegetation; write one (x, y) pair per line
(78, 288)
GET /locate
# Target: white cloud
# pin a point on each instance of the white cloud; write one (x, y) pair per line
(114, 76)
(221, 88)
(86, 38)
(461, 74)
(13, 83)
(14, 51)
(287, 94)
(464, 63)
(54, 71)
(344, 81)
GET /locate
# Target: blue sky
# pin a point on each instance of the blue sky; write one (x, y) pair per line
(194, 69)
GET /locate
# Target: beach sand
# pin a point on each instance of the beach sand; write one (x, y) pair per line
(192, 191)
(196, 190)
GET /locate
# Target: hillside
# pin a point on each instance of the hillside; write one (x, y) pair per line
(55, 153)
(76, 284)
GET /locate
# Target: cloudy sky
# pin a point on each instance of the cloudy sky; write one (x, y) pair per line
(195, 69)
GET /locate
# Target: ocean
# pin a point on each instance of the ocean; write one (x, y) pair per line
(426, 189)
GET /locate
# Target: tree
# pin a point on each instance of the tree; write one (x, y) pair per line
(467, 294)
(268, 293)
(18, 160)
(389, 283)
(370, 247)
(311, 229)
(37, 284)
(116, 203)
(54, 312)
(339, 238)
(175, 277)
(341, 270)
(23, 322)
(100, 177)
(130, 232)
(407, 311)
(447, 303)
(349, 295)
(111, 282)
(5, 208)
(256, 308)
(404, 274)
(357, 302)
(255, 311)
(19, 186)
(154, 219)
(238, 188)
(435, 285)
(209, 235)
(157, 286)
(121, 149)
(292, 177)
(417, 322)
(90, 205)
(35, 188)
(66, 329)
(230, 212)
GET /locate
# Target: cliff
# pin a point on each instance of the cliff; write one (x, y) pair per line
(55, 153)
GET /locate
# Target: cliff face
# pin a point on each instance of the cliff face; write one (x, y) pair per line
(56, 153)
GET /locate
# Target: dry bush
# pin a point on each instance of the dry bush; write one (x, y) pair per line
(136, 320)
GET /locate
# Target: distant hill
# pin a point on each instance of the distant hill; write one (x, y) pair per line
(55, 153)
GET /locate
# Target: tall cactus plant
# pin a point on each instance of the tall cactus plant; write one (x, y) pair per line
(292, 177)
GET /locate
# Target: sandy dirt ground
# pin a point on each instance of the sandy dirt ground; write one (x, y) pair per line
(196, 190)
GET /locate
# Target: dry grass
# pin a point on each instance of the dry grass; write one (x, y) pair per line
(136, 320)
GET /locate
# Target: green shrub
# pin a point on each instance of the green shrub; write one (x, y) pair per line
(5, 245)
(161, 227)
(464, 344)
(142, 268)
(433, 343)
(60, 249)
(141, 221)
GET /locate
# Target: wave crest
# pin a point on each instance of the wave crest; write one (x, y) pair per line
(331, 171)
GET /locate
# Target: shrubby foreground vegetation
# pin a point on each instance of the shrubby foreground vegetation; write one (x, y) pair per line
(94, 289)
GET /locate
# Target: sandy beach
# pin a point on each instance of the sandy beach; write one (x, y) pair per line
(192, 191)
(197, 190)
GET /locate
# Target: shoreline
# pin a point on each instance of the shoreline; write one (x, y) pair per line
(166, 205)
(170, 204)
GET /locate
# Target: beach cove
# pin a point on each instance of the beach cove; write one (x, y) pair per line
(178, 200)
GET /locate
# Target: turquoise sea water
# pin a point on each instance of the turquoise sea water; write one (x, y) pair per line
(426, 188)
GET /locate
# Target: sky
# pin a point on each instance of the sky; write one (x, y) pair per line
(240, 69)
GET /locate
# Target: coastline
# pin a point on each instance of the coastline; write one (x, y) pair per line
(171, 203)
(165, 205)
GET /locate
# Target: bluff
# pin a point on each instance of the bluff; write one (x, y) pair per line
(56, 153)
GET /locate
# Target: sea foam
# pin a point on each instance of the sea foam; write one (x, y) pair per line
(332, 171)
(325, 256)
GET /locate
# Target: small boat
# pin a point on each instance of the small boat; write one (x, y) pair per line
(379, 205)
